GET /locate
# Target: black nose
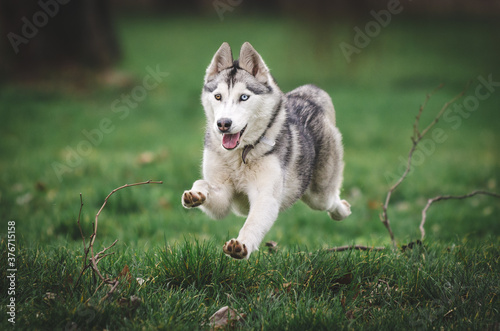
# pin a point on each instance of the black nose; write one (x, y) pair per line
(224, 124)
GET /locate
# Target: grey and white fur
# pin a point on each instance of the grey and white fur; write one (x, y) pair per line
(264, 150)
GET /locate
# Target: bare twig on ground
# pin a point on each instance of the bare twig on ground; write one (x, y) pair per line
(96, 258)
(448, 197)
(416, 138)
(106, 201)
(355, 247)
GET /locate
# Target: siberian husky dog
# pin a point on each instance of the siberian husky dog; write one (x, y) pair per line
(264, 150)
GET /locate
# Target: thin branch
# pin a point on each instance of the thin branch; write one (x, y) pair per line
(114, 284)
(101, 257)
(416, 138)
(96, 258)
(355, 247)
(95, 291)
(106, 201)
(441, 112)
(416, 132)
(448, 197)
(98, 255)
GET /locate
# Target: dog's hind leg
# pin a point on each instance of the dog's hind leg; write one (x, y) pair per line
(339, 210)
(324, 190)
(214, 200)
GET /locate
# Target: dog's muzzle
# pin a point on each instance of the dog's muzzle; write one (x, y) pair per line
(231, 141)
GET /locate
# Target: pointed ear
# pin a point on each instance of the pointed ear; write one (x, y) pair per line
(252, 62)
(222, 59)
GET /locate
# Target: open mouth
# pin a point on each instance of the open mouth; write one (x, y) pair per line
(231, 141)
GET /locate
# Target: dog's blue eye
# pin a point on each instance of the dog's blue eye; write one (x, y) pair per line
(218, 97)
(244, 97)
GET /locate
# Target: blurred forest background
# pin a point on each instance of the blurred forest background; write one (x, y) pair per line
(82, 32)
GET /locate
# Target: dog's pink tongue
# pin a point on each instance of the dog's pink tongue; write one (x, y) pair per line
(230, 141)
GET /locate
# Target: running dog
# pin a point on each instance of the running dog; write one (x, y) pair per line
(264, 149)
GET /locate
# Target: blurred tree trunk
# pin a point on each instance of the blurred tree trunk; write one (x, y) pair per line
(48, 34)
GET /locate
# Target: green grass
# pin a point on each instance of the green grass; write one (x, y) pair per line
(452, 282)
(455, 287)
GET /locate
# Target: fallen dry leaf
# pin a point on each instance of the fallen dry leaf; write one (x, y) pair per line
(125, 273)
(146, 158)
(225, 316)
(374, 204)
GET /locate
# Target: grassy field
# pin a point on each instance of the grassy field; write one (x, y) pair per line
(62, 139)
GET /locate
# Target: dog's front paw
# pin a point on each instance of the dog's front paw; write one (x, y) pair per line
(235, 249)
(191, 199)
